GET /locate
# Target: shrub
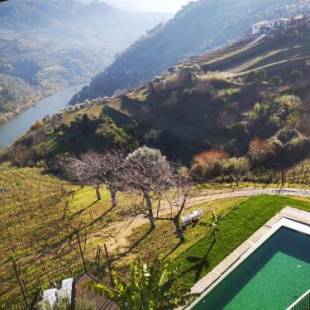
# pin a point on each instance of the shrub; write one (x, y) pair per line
(209, 163)
(37, 125)
(276, 80)
(259, 149)
(268, 117)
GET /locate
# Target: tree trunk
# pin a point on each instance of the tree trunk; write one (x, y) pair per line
(283, 177)
(158, 207)
(149, 209)
(178, 228)
(98, 192)
(113, 193)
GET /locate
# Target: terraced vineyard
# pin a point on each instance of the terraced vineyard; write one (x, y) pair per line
(39, 215)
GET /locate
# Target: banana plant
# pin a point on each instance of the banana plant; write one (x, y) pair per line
(215, 220)
(153, 287)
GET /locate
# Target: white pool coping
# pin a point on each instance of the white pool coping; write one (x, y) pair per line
(289, 217)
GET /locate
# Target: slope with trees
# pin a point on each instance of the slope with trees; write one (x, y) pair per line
(50, 45)
(199, 27)
(230, 102)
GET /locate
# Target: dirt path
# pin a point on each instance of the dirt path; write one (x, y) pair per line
(119, 233)
(207, 196)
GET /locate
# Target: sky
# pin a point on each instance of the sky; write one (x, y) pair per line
(149, 5)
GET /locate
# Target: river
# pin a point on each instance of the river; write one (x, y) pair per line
(16, 127)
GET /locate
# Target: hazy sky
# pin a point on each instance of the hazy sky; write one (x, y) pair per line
(149, 5)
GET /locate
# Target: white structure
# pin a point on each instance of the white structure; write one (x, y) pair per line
(50, 296)
(194, 216)
(261, 26)
(66, 289)
(283, 23)
(265, 27)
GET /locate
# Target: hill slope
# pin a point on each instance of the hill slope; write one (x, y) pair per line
(253, 89)
(51, 45)
(199, 27)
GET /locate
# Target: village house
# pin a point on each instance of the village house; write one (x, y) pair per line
(260, 27)
(280, 25)
(299, 21)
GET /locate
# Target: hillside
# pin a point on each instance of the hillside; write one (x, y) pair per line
(257, 88)
(50, 47)
(199, 27)
(40, 216)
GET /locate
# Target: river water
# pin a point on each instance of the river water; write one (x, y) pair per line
(16, 127)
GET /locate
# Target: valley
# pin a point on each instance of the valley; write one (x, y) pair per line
(43, 50)
(16, 127)
(218, 100)
(199, 27)
(177, 169)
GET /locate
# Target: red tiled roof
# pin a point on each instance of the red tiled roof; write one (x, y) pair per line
(80, 290)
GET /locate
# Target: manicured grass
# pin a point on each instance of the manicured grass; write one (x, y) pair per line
(163, 239)
(238, 225)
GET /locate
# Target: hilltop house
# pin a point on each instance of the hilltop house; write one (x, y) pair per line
(260, 27)
(299, 21)
(267, 27)
(280, 25)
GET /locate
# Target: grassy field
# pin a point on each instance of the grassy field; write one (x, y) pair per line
(40, 215)
(197, 256)
(239, 224)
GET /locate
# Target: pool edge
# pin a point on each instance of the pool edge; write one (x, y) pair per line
(296, 219)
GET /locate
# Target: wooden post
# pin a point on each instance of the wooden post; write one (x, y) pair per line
(19, 281)
(109, 264)
(81, 251)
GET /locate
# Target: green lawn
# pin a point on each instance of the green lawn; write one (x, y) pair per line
(238, 225)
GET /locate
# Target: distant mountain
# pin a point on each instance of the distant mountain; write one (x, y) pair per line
(53, 44)
(258, 88)
(197, 28)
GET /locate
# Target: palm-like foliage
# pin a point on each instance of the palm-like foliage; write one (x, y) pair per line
(201, 262)
(215, 220)
(148, 288)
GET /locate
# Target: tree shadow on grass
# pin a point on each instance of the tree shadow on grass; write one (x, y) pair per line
(99, 218)
(133, 246)
(200, 262)
(172, 250)
(84, 209)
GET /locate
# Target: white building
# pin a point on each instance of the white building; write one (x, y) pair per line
(266, 27)
(281, 23)
(261, 26)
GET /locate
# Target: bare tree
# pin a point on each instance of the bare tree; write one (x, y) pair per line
(148, 173)
(97, 169)
(112, 166)
(178, 198)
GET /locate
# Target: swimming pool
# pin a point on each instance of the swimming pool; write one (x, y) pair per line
(272, 277)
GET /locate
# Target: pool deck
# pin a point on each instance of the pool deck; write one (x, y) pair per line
(289, 217)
